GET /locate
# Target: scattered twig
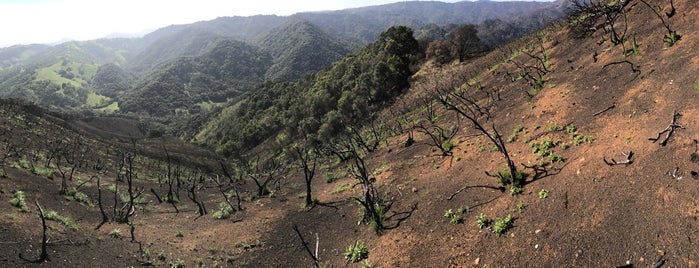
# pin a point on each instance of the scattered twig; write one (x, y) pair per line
(474, 186)
(613, 162)
(669, 129)
(605, 109)
(634, 68)
(675, 173)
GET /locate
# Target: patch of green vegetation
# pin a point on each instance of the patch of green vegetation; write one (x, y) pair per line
(18, 200)
(696, 86)
(66, 221)
(116, 233)
(453, 217)
(341, 188)
(501, 225)
(521, 206)
(179, 263)
(515, 190)
(249, 245)
(481, 221)
(73, 194)
(356, 252)
(518, 129)
(579, 139)
(224, 211)
(179, 234)
(96, 100)
(380, 170)
(111, 108)
(543, 193)
(42, 171)
(671, 38)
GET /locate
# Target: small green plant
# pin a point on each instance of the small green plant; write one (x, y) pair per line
(462, 210)
(564, 146)
(521, 206)
(543, 193)
(356, 252)
(453, 217)
(481, 221)
(116, 233)
(161, 255)
(447, 146)
(627, 140)
(179, 263)
(329, 177)
(19, 201)
(570, 129)
(515, 190)
(696, 86)
(501, 225)
(366, 264)
(671, 38)
(179, 234)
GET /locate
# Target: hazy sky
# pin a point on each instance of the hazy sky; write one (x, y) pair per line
(48, 21)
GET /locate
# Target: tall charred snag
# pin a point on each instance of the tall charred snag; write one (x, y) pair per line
(477, 103)
(308, 159)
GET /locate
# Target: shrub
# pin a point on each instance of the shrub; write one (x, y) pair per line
(356, 252)
(19, 201)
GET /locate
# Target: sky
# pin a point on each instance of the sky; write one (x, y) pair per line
(51, 21)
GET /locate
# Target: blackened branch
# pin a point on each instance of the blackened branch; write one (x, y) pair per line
(613, 162)
(669, 130)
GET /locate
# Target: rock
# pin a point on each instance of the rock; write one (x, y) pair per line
(478, 260)
(414, 189)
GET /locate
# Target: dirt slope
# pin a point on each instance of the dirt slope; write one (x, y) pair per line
(594, 215)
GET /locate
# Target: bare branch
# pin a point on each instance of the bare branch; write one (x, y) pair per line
(613, 162)
(670, 129)
(605, 109)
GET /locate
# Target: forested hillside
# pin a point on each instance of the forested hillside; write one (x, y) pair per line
(172, 79)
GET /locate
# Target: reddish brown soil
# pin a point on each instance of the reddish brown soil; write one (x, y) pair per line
(595, 215)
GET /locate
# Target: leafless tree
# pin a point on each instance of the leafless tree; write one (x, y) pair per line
(309, 159)
(264, 172)
(477, 104)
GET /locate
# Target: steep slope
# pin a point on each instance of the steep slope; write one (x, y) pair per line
(347, 93)
(228, 68)
(300, 48)
(188, 42)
